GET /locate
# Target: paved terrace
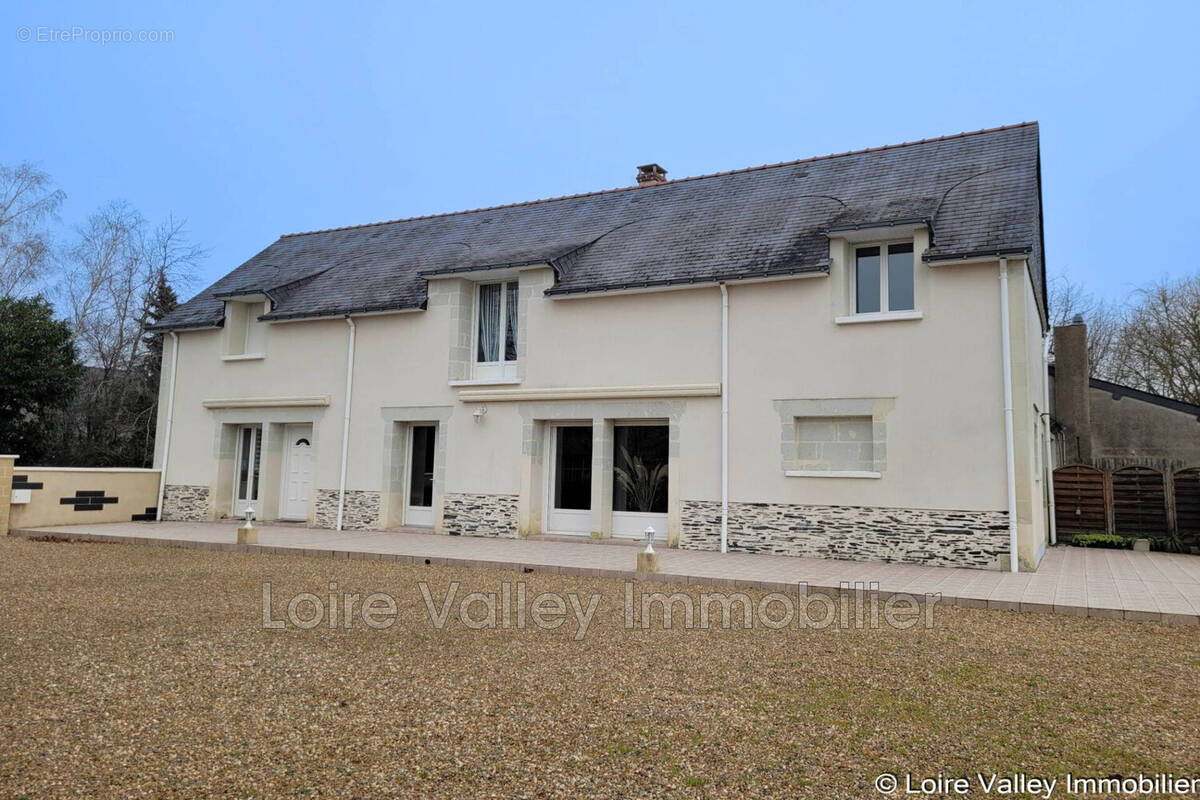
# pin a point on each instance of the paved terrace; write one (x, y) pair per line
(1158, 587)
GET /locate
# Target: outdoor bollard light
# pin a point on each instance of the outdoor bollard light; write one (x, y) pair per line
(247, 533)
(647, 560)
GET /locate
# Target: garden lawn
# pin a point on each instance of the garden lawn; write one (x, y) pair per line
(136, 671)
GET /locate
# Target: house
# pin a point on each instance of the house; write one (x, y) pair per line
(839, 356)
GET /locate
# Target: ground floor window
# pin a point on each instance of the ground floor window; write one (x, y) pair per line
(640, 454)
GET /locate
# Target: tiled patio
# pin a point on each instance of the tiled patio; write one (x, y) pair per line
(1158, 587)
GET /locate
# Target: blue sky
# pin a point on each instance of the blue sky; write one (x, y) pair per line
(258, 120)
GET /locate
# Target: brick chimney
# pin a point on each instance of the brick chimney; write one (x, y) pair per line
(1072, 402)
(650, 174)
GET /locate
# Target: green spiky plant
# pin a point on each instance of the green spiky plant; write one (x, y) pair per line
(640, 483)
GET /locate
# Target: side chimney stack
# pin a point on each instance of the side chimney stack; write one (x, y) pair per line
(651, 174)
(1072, 389)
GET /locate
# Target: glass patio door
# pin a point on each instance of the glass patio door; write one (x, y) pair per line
(248, 462)
(640, 457)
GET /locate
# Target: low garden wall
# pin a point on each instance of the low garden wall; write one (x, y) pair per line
(38, 496)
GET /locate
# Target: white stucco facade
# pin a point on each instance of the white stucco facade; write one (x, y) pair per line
(929, 387)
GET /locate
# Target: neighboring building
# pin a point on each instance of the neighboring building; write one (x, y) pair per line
(556, 366)
(1129, 459)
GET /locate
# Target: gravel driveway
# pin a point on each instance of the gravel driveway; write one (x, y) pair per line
(131, 671)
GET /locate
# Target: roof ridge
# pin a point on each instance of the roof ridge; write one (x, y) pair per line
(619, 189)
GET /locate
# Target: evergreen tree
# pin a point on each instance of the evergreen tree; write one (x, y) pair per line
(39, 375)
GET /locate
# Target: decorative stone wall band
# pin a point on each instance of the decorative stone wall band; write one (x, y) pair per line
(480, 515)
(361, 511)
(977, 539)
(185, 503)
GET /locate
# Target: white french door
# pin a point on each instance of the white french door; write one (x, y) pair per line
(297, 473)
(569, 490)
(641, 452)
(248, 463)
(418, 500)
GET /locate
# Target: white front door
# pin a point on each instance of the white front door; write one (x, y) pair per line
(569, 495)
(418, 502)
(247, 464)
(297, 477)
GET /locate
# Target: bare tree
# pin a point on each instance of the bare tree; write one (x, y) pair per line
(115, 262)
(27, 203)
(1161, 340)
(1105, 323)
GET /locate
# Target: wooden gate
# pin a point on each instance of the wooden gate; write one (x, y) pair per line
(1139, 502)
(1079, 500)
(1187, 504)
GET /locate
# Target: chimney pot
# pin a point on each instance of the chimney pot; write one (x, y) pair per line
(1077, 319)
(650, 174)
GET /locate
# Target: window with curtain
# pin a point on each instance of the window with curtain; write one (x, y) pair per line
(496, 333)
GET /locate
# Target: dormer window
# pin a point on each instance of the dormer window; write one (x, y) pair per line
(245, 335)
(883, 278)
(496, 331)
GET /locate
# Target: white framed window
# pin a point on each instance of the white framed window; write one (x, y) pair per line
(884, 280)
(495, 346)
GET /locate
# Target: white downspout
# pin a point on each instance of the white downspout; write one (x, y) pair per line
(346, 423)
(1009, 447)
(724, 419)
(1049, 469)
(162, 475)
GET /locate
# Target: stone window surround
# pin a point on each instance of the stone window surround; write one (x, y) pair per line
(460, 295)
(842, 246)
(877, 408)
(603, 416)
(241, 316)
(272, 420)
(396, 423)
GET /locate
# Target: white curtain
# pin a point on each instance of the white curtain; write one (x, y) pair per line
(489, 323)
(510, 324)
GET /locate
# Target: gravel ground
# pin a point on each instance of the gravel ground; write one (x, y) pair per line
(130, 671)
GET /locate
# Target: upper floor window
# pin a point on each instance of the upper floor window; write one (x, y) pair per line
(496, 330)
(883, 278)
(245, 335)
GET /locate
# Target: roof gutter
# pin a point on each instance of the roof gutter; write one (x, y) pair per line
(970, 256)
(1049, 455)
(162, 475)
(1010, 459)
(724, 419)
(346, 422)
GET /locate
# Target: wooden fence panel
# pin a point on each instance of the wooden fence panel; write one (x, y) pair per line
(1139, 502)
(1079, 500)
(1187, 503)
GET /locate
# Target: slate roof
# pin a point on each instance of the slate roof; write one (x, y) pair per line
(980, 193)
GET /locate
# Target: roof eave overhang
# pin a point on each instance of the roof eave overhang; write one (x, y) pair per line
(874, 231)
(819, 270)
(971, 256)
(243, 295)
(185, 326)
(483, 272)
(363, 311)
